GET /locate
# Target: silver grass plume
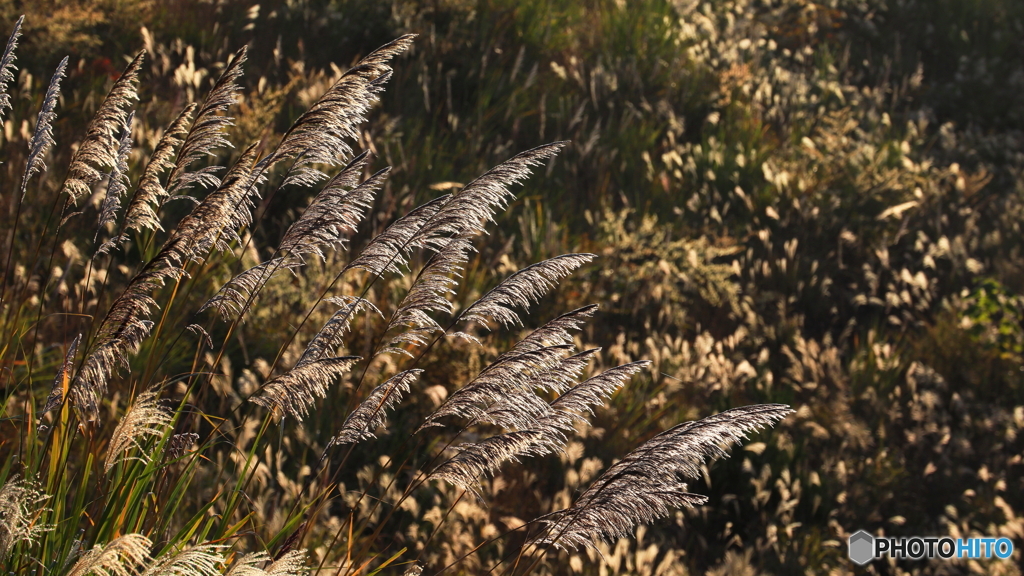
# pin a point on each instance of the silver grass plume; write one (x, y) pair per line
(329, 338)
(118, 182)
(74, 553)
(249, 565)
(517, 411)
(207, 132)
(332, 215)
(470, 209)
(215, 221)
(62, 379)
(117, 342)
(202, 333)
(388, 251)
(295, 391)
(7, 67)
(119, 557)
(150, 193)
(42, 136)
(555, 332)
(433, 224)
(20, 508)
(99, 150)
(122, 330)
(202, 560)
(126, 324)
(429, 294)
(502, 378)
(320, 135)
(144, 418)
(235, 297)
(370, 414)
(335, 212)
(291, 563)
(580, 399)
(537, 428)
(646, 485)
(522, 289)
(563, 375)
(522, 410)
(485, 457)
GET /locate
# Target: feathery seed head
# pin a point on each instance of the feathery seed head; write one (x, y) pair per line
(101, 147)
(370, 413)
(20, 509)
(144, 418)
(119, 557)
(42, 136)
(645, 485)
(7, 67)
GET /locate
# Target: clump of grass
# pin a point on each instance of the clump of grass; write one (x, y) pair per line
(144, 455)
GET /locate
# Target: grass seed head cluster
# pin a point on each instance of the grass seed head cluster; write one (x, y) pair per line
(157, 422)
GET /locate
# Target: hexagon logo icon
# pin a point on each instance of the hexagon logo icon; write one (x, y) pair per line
(861, 547)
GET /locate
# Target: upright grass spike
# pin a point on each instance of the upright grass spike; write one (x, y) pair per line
(7, 67)
(118, 183)
(62, 379)
(207, 131)
(150, 193)
(100, 148)
(42, 136)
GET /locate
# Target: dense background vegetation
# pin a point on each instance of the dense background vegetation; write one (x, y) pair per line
(815, 203)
